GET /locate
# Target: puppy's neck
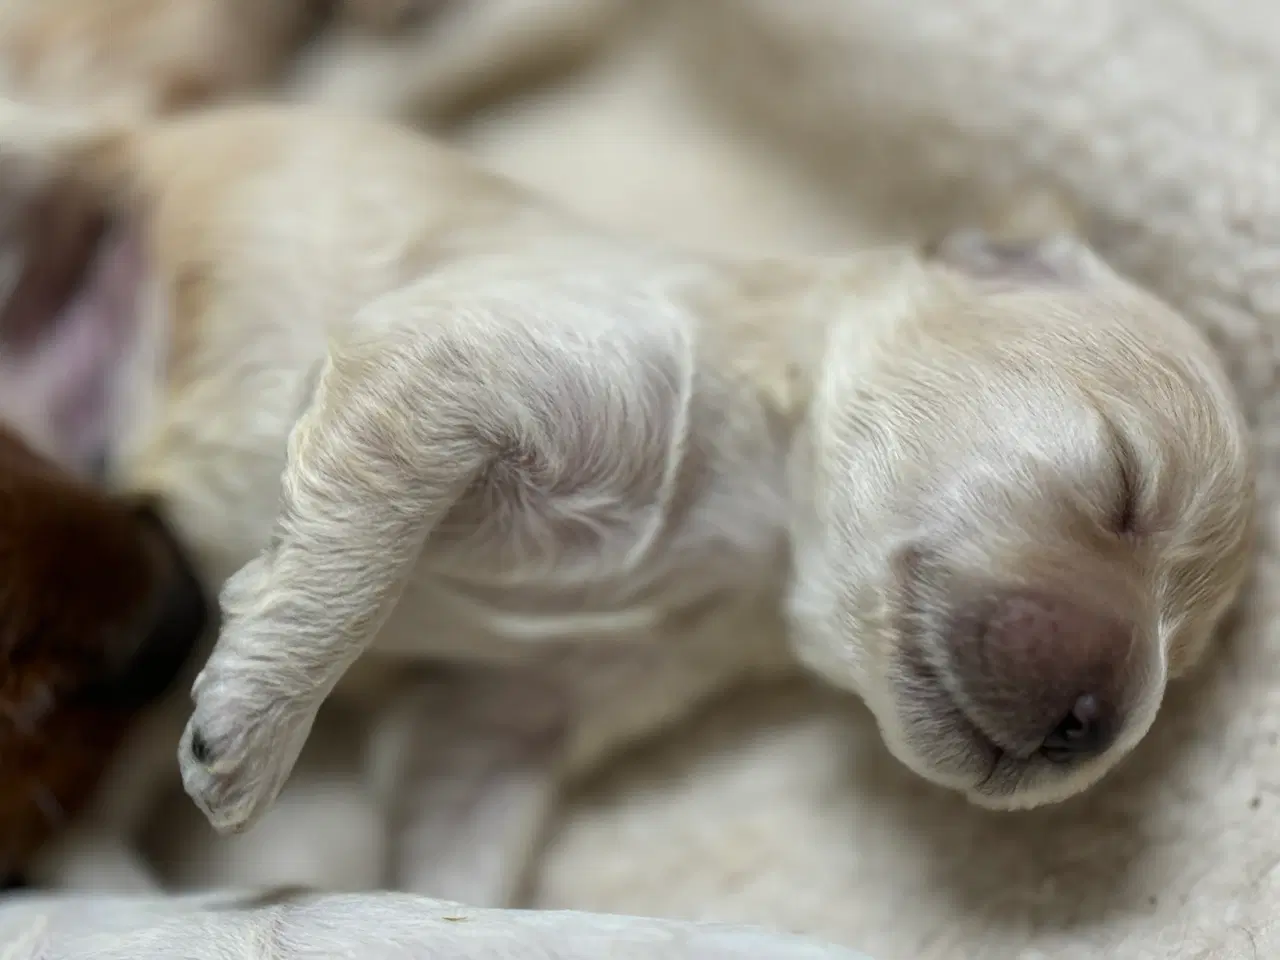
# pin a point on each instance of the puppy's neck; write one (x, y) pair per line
(773, 323)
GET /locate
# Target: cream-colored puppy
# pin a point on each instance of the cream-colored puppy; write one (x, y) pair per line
(1001, 494)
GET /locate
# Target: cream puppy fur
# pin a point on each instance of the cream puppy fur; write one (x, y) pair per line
(409, 410)
(147, 54)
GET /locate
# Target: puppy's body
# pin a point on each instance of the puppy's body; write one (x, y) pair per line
(622, 526)
(674, 578)
(425, 221)
(405, 407)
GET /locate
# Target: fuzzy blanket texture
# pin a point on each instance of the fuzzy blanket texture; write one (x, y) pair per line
(753, 125)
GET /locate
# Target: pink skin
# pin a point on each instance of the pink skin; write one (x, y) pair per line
(59, 390)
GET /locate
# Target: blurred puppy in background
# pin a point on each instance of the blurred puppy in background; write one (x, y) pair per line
(416, 60)
(998, 492)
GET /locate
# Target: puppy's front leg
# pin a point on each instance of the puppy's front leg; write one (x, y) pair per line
(383, 450)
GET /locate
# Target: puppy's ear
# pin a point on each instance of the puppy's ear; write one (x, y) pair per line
(1036, 240)
(1057, 259)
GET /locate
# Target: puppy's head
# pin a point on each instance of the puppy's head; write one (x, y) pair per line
(1028, 496)
(99, 612)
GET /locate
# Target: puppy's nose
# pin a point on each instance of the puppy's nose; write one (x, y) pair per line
(1041, 672)
(1083, 731)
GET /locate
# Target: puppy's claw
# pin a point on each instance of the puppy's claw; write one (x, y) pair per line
(200, 748)
(235, 762)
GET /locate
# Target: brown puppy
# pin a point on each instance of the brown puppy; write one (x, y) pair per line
(99, 614)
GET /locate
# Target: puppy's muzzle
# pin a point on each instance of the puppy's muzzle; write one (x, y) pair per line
(1039, 672)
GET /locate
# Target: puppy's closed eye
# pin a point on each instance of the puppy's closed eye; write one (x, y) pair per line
(1126, 517)
(1070, 458)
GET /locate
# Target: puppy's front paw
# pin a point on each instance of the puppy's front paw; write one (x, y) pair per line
(238, 749)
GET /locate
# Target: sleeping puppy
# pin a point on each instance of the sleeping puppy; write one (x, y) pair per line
(1000, 493)
(409, 59)
(101, 611)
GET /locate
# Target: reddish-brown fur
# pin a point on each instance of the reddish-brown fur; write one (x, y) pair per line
(84, 580)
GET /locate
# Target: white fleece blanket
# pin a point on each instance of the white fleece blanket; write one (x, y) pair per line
(871, 118)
